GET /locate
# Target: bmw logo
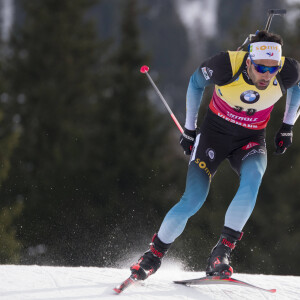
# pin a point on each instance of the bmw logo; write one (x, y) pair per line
(250, 97)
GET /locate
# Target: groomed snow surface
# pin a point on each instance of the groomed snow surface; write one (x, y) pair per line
(62, 283)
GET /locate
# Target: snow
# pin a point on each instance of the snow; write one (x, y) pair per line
(83, 283)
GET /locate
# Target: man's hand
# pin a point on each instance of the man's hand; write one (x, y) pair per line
(187, 140)
(283, 138)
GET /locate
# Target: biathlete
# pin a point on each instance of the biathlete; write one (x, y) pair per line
(247, 85)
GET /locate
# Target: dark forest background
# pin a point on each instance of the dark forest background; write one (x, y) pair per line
(89, 158)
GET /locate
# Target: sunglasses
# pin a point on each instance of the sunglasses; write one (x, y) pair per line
(264, 69)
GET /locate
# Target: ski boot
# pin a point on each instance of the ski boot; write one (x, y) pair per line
(219, 261)
(150, 261)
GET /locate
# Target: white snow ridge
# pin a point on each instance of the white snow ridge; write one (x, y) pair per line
(83, 283)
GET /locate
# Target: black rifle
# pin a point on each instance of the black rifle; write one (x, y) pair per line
(271, 14)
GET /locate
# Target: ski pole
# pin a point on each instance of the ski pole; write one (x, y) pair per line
(144, 70)
(271, 13)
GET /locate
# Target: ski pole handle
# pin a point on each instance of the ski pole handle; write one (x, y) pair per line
(144, 70)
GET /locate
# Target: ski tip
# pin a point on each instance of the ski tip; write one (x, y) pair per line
(144, 69)
(272, 291)
(118, 291)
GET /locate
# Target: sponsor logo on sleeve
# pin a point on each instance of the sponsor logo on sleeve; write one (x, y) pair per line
(205, 73)
(210, 72)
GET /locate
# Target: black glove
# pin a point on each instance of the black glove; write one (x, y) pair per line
(187, 140)
(283, 138)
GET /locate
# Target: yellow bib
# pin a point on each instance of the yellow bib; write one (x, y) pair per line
(240, 94)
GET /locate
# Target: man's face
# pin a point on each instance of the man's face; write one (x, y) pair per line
(261, 80)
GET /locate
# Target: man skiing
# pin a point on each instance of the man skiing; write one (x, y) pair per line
(247, 85)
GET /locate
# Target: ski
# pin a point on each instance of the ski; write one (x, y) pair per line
(219, 280)
(126, 283)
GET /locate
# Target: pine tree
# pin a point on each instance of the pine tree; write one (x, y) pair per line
(9, 245)
(56, 81)
(94, 157)
(141, 173)
(10, 248)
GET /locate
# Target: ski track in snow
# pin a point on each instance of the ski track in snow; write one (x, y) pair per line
(83, 283)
